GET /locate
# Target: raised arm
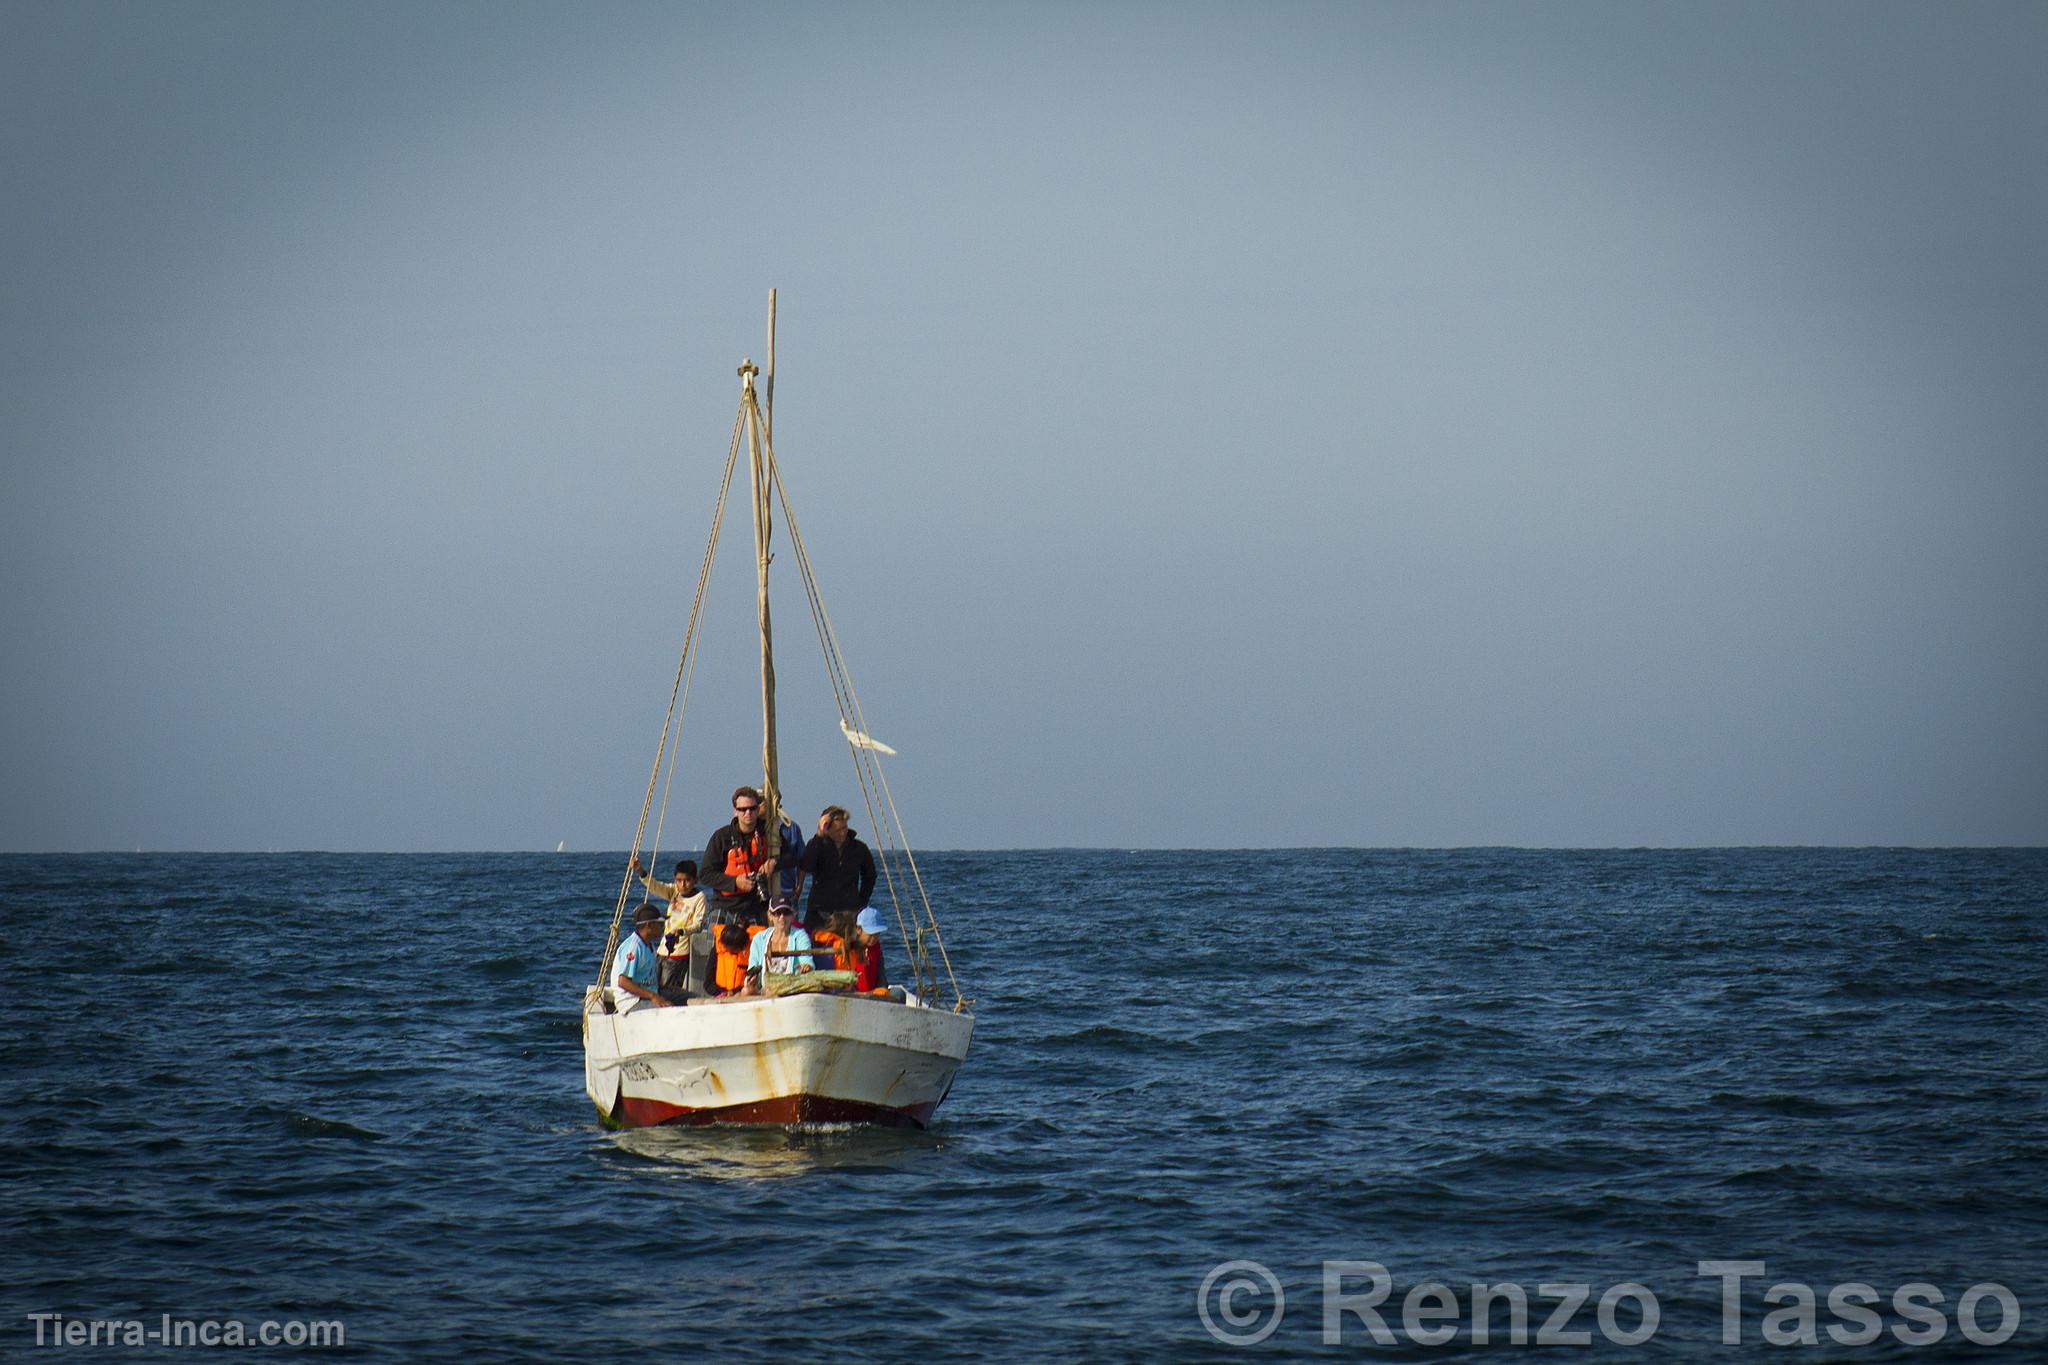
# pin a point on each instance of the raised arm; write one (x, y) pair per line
(663, 890)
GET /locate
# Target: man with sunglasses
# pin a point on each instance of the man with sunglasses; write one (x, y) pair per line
(736, 866)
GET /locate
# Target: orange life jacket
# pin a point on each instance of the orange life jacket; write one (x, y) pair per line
(730, 972)
(745, 859)
(842, 960)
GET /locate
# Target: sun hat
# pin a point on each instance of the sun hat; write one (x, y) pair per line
(870, 921)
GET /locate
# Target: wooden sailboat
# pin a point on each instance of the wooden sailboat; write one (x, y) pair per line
(806, 1056)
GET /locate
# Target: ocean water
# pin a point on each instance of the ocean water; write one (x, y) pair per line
(347, 1088)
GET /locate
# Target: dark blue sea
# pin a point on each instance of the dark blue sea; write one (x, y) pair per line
(305, 1088)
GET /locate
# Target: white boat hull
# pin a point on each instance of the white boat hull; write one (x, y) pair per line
(773, 1060)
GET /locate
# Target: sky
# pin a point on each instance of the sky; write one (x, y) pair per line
(1213, 425)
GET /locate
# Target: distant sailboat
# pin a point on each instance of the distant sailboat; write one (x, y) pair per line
(558, 845)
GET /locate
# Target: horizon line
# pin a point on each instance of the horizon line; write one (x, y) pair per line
(1035, 848)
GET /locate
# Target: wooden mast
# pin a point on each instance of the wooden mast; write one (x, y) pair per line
(768, 379)
(760, 425)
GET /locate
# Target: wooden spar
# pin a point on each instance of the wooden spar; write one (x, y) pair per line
(768, 379)
(757, 428)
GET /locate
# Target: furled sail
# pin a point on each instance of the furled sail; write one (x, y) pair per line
(863, 741)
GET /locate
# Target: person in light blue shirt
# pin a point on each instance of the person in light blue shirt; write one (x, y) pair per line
(782, 934)
(636, 968)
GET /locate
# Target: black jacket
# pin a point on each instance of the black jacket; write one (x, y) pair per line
(842, 877)
(712, 871)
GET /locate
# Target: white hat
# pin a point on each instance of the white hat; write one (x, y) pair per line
(870, 921)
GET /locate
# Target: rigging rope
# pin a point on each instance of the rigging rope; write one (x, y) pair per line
(678, 700)
(889, 832)
(920, 931)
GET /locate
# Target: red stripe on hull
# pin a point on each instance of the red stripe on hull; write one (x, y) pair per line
(782, 1111)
